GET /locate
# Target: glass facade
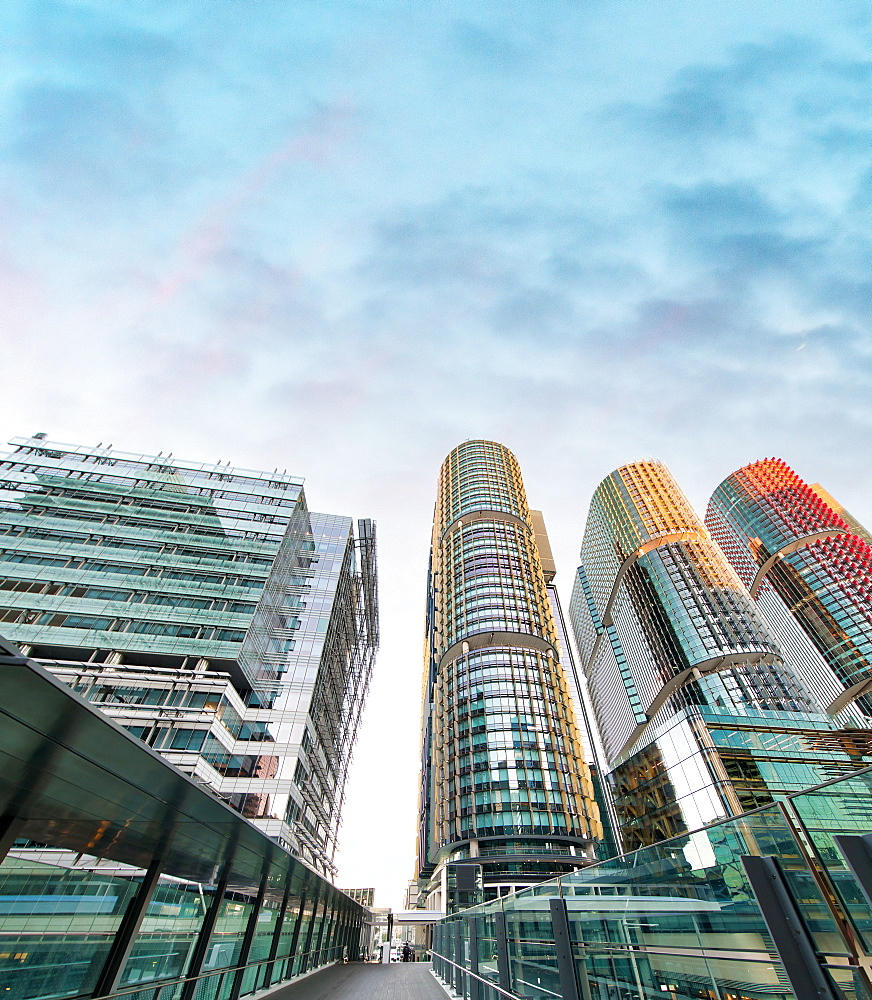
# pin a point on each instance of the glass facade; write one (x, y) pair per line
(686, 917)
(808, 562)
(204, 608)
(505, 782)
(700, 716)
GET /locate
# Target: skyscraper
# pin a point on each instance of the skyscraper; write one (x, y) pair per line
(700, 718)
(504, 782)
(204, 608)
(808, 563)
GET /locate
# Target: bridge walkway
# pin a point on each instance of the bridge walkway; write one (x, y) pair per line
(366, 981)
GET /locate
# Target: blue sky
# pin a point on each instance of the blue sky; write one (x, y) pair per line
(340, 237)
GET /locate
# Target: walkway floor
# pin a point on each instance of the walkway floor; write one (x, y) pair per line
(366, 981)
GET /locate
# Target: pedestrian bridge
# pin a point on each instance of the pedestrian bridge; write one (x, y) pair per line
(366, 981)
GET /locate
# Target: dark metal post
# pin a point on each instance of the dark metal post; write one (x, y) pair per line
(198, 956)
(563, 944)
(9, 828)
(269, 979)
(122, 943)
(307, 945)
(474, 984)
(295, 937)
(857, 851)
(457, 979)
(322, 926)
(248, 937)
(504, 973)
(448, 952)
(792, 940)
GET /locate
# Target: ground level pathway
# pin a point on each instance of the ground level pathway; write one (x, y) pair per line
(366, 981)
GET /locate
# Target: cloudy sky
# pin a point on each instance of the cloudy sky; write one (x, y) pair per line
(341, 236)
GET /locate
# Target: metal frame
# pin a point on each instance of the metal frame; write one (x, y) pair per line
(503, 970)
(563, 945)
(857, 852)
(791, 937)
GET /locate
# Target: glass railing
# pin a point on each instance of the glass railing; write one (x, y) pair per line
(686, 917)
(220, 984)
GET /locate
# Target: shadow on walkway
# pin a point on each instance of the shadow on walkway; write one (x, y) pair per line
(362, 981)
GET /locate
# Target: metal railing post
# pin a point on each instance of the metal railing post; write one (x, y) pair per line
(791, 938)
(458, 957)
(504, 973)
(474, 985)
(563, 944)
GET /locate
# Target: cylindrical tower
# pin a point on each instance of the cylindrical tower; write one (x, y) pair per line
(699, 716)
(509, 785)
(801, 554)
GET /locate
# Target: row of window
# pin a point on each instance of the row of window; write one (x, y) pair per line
(148, 503)
(128, 569)
(24, 616)
(125, 596)
(69, 538)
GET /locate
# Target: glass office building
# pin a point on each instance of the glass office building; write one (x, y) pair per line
(808, 563)
(700, 717)
(506, 794)
(206, 610)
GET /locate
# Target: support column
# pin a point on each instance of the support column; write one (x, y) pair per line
(125, 936)
(563, 944)
(795, 947)
(198, 956)
(298, 923)
(248, 937)
(270, 978)
(503, 970)
(322, 926)
(307, 946)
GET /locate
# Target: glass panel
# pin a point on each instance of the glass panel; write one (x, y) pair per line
(168, 933)
(532, 958)
(844, 806)
(680, 917)
(59, 917)
(650, 922)
(487, 945)
(226, 941)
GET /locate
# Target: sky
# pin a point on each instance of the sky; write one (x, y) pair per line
(342, 236)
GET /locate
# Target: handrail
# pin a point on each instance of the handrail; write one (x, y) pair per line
(481, 979)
